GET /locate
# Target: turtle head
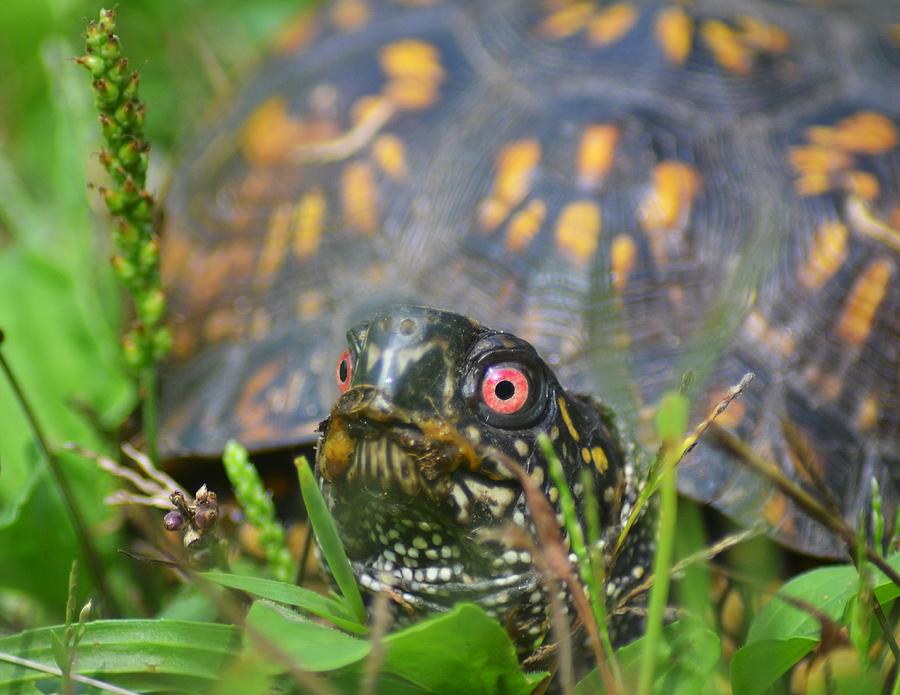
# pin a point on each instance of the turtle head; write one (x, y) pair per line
(411, 461)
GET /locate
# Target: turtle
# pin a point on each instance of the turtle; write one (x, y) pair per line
(638, 190)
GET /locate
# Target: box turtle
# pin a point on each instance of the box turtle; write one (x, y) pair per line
(636, 190)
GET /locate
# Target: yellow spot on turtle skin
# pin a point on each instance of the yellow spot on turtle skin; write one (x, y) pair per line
(596, 152)
(598, 456)
(414, 73)
(578, 231)
(611, 23)
(726, 46)
(867, 415)
(864, 132)
(863, 183)
(515, 167)
(763, 36)
(826, 256)
(349, 15)
(862, 303)
(585, 455)
(623, 259)
(310, 305)
(568, 19)
(359, 197)
(668, 204)
(674, 31)
(309, 218)
(524, 225)
(390, 153)
(273, 251)
(567, 419)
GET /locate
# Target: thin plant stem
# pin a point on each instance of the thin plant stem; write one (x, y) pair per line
(659, 593)
(53, 671)
(55, 468)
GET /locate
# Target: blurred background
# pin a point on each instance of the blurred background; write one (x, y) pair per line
(61, 311)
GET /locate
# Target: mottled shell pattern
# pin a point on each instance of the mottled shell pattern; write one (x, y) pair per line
(637, 189)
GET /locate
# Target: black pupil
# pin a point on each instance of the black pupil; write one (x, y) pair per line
(504, 390)
(342, 370)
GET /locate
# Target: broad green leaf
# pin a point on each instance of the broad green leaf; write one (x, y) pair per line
(757, 666)
(310, 646)
(329, 540)
(463, 651)
(828, 589)
(144, 655)
(292, 595)
(686, 658)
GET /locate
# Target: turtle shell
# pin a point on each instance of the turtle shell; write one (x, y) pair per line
(639, 190)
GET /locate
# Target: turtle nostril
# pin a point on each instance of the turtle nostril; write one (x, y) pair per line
(407, 326)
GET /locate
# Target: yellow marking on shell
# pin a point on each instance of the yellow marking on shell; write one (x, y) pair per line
(756, 328)
(296, 33)
(567, 419)
(866, 222)
(861, 305)
(623, 260)
(611, 23)
(774, 509)
(598, 456)
(826, 256)
(515, 167)
(275, 245)
(668, 204)
(814, 165)
(830, 386)
(763, 36)
(359, 197)
(390, 153)
(578, 231)
(726, 46)
(525, 225)
(674, 31)
(893, 33)
(414, 73)
(864, 132)
(309, 219)
(310, 304)
(567, 20)
(585, 455)
(349, 15)
(862, 183)
(596, 152)
(221, 324)
(867, 415)
(260, 324)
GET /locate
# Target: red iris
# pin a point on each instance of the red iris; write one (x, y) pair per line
(343, 371)
(504, 390)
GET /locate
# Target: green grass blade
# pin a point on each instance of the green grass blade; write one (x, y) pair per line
(329, 541)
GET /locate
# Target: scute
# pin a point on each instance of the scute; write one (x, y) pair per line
(637, 189)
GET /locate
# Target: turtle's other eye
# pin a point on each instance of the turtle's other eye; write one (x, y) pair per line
(343, 371)
(505, 389)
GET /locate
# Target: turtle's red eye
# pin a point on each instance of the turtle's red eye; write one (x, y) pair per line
(504, 389)
(343, 371)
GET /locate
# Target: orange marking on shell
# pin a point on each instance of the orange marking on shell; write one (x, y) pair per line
(812, 184)
(826, 255)
(867, 415)
(763, 36)
(184, 339)
(359, 197)
(367, 107)
(414, 73)
(515, 167)
(349, 15)
(275, 246)
(525, 225)
(578, 231)
(623, 260)
(221, 324)
(726, 46)
(830, 386)
(816, 159)
(611, 23)
(864, 132)
(668, 204)
(569, 19)
(308, 222)
(260, 324)
(310, 305)
(855, 321)
(390, 153)
(412, 94)
(674, 31)
(774, 510)
(862, 183)
(596, 153)
(270, 132)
